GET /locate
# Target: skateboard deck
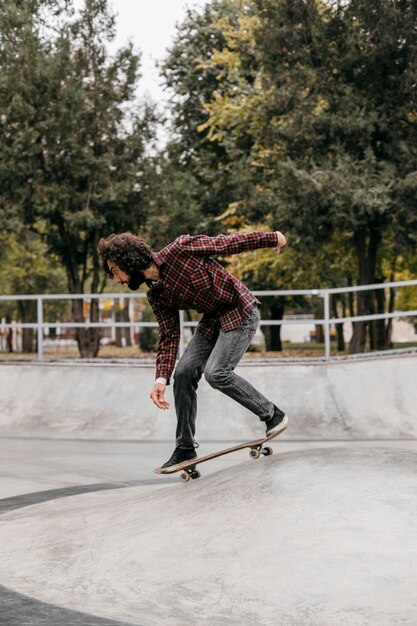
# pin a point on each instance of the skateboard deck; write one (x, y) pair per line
(187, 468)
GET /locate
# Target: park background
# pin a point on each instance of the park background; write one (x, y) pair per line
(297, 116)
(290, 115)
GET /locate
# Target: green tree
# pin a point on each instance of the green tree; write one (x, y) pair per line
(188, 75)
(172, 200)
(331, 111)
(292, 269)
(27, 268)
(73, 149)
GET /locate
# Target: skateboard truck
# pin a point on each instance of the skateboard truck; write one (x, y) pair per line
(188, 474)
(255, 453)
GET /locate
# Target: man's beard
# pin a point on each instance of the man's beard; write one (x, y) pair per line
(136, 278)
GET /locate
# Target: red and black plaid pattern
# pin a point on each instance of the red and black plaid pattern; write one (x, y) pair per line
(190, 279)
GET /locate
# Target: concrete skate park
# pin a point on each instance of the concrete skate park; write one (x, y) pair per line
(323, 532)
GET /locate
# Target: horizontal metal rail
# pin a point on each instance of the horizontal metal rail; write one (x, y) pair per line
(282, 322)
(40, 325)
(75, 296)
(256, 292)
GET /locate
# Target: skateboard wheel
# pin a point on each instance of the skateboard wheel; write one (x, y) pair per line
(195, 474)
(254, 453)
(267, 451)
(185, 477)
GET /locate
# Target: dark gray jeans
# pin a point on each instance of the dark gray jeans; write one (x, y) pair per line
(217, 358)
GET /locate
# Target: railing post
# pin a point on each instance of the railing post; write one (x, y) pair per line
(181, 347)
(40, 328)
(326, 297)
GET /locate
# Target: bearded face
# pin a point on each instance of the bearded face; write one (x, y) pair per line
(136, 278)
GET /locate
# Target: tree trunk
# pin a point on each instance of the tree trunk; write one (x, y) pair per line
(372, 296)
(10, 347)
(358, 340)
(28, 343)
(88, 339)
(9, 336)
(272, 334)
(367, 254)
(277, 311)
(317, 305)
(27, 310)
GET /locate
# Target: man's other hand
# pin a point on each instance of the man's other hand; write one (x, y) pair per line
(281, 242)
(158, 396)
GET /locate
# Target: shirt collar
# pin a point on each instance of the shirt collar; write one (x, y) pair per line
(157, 286)
(157, 258)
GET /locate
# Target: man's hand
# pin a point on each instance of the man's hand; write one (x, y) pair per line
(157, 396)
(281, 242)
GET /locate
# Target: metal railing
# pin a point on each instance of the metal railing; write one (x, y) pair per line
(40, 325)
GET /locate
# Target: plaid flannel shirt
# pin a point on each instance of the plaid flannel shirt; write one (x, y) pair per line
(190, 279)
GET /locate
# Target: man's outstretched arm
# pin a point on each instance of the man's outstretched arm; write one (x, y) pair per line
(169, 331)
(201, 245)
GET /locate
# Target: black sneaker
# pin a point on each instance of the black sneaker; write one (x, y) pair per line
(180, 455)
(277, 423)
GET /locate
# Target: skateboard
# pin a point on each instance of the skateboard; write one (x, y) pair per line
(187, 468)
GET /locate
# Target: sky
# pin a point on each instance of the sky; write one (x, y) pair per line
(150, 24)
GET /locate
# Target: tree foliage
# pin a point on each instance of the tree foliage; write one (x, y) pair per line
(192, 79)
(73, 149)
(329, 108)
(27, 268)
(292, 115)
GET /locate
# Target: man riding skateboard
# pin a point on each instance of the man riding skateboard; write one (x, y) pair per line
(184, 276)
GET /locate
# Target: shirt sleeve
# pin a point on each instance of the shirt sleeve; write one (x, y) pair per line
(169, 338)
(202, 245)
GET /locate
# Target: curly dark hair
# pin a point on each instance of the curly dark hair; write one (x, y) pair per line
(128, 251)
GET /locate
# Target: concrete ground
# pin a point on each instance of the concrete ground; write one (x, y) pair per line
(321, 533)
(58, 498)
(29, 466)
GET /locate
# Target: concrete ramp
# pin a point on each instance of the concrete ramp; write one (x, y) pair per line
(371, 398)
(321, 538)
